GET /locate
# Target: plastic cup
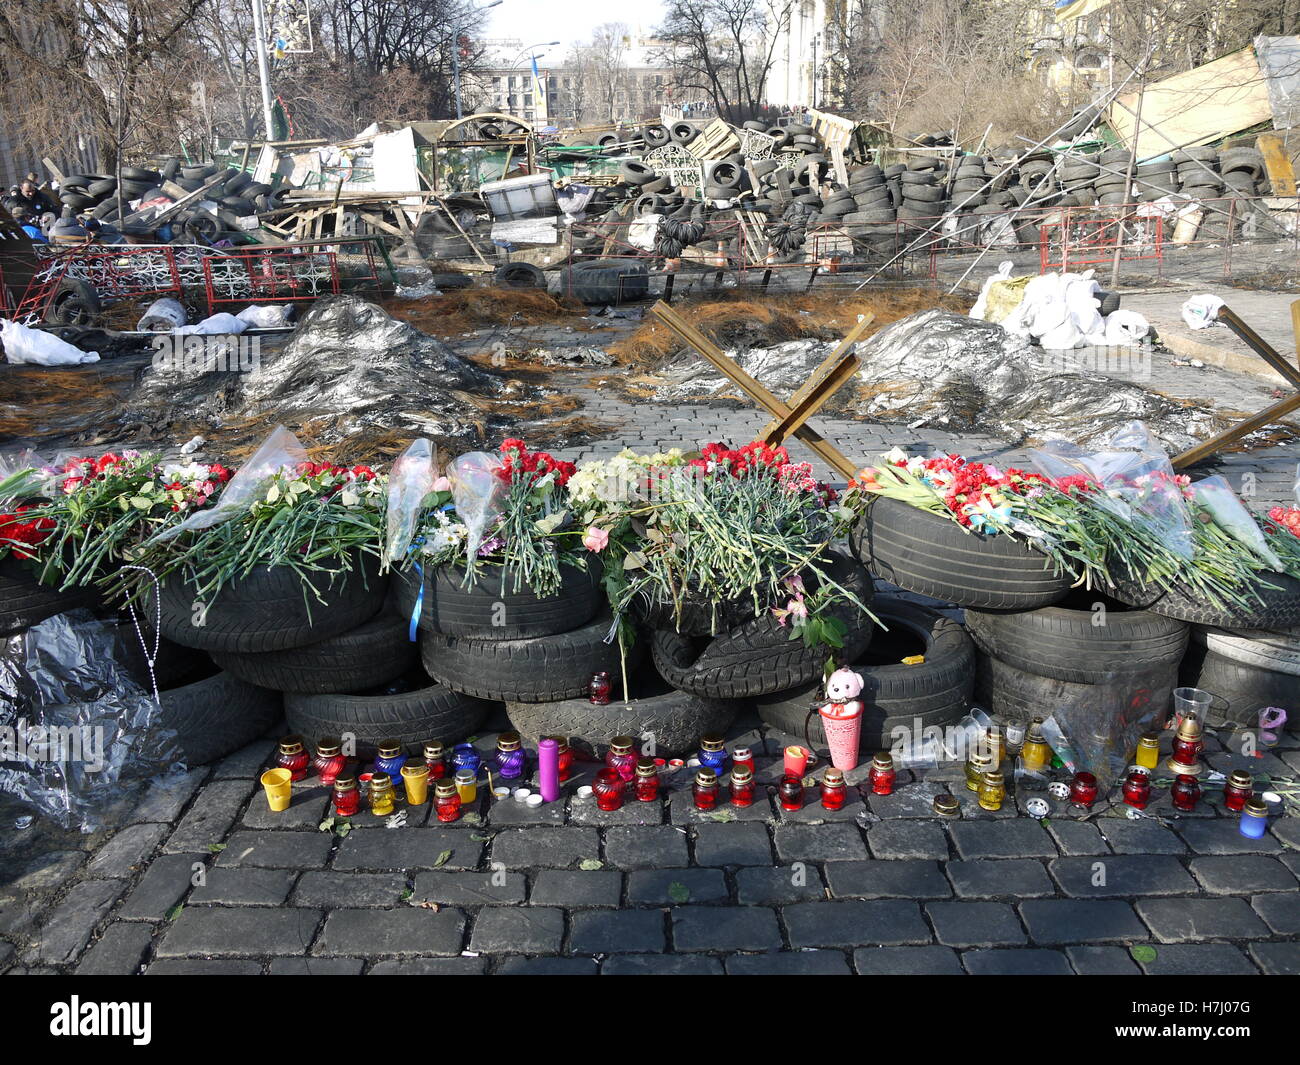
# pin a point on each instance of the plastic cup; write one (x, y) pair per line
(842, 736)
(796, 761)
(415, 778)
(278, 784)
(1191, 701)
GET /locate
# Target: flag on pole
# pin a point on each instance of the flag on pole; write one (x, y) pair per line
(539, 95)
(1077, 9)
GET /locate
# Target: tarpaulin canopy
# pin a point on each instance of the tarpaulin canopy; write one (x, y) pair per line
(1279, 58)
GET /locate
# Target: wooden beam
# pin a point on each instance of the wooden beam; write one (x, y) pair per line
(1267, 416)
(1295, 326)
(830, 366)
(1281, 174)
(822, 447)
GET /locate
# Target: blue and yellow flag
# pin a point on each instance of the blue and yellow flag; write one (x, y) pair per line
(1076, 9)
(539, 95)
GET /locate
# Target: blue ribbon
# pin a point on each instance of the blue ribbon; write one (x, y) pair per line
(419, 605)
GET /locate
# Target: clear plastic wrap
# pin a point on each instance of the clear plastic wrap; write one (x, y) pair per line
(279, 451)
(478, 494)
(1096, 727)
(1136, 476)
(409, 481)
(22, 475)
(77, 732)
(1215, 496)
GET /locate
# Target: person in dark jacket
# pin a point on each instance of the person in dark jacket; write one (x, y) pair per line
(32, 199)
(28, 226)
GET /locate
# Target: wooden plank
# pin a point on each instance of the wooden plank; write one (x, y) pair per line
(55, 172)
(1278, 164)
(1267, 416)
(1295, 326)
(167, 212)
(839, 375)
(820, 446)
(842, 350)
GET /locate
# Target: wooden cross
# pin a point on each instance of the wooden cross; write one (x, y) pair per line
(788, 419)
(1269, 415)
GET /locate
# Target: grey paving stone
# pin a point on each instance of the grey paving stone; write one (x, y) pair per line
(119, 952)
(617, 932)
(308, 806)
(577, 888)
(243, 932)
(126, 851)
(660, 965)
(907, 961)
(548, 967)
(246, 763)
(167, 880)
(1280, 912)
(813, 812)
(790, 963)
(910, 800)
(1243, 874)
(551, 848)
(681, 808)
(653, 847)
(1076, 837)
(719, 929)
(1093, 960)
(277, 850)
(518, 930)
(44, 872)
(887, 879)
(1140, 837)
(632, 812)
(405, 930)
(1287, 829)
(209, 818)
(429, 967)
(1277, 959)
(1030, 961)
(470, 888)
(664, 887)
(741, 844)
(244, 887)
(507, 813)
(779, 885)
(1221, 836)
(1002, 839)
(203, 967)
(1065, 921)
(421, 849)
(903, 839)
(309, 966)
(819, 843)
(164, 800)
(1121, 876)
(975, 924)
(1023, 878)
(849, 923)
(1180, 920)
(1199, 959)
(332, 890)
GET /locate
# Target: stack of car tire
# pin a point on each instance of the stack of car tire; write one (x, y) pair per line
(236, 198)
(923, 192)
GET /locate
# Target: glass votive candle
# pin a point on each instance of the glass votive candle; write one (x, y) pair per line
(1239, 787)
(509, 758)
(834, 790)
(293, 757)
(565, 756)
(1137, 789)
(621, 757)
(742, 785)
(646, 784)
(790, 792)
(329, 759)
(435, 757)
(446, 800)
(1147, 754)
(608, 789)
(993, 790)
(882, 774)
(704, 792)
(1254, 819)
(382, 796)
(1184, 792)
(390, 759)
(713, 753)
(346, 797)
(1083, 790)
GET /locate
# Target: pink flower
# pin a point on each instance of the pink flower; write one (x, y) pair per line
(442, 484)
(595, 539)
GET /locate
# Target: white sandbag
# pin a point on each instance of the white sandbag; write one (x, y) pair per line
(981, 304)
(1201, 312)
(267, 315)
(35, 347)
(220, 324)
(1125, 327)
(163, 316)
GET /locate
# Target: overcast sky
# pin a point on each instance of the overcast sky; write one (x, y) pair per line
(567, 21)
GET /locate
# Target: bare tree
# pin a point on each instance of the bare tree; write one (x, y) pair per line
(724, 49)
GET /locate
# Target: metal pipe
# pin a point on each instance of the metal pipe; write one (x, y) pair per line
(263, 67)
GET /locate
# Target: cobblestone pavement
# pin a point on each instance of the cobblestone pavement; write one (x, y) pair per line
(200, 878)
